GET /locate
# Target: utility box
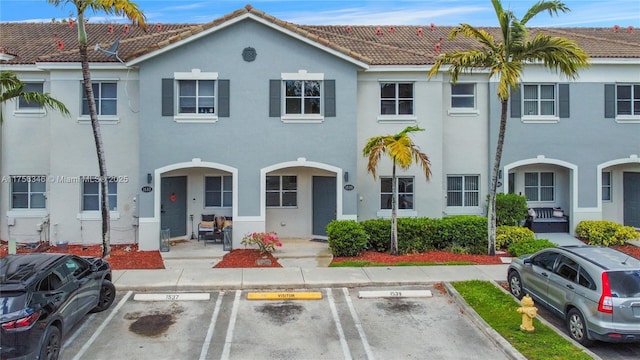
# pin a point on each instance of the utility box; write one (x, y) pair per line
(165, 236)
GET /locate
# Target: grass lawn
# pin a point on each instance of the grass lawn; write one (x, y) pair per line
(499, 311)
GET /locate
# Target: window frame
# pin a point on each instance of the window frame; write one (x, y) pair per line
(411, 193)
(30, 111)
(634, 87)
(396, 116)
(539, 186)
(281, 191)
(608, 175)
(196, 117)
(463, 110)
(28, 179)
(224, 180)
(303, 76)
(465, 193)
(539, 102)
(113, 205)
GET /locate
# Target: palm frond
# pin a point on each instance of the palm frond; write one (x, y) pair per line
(556, 53)
(552, 7)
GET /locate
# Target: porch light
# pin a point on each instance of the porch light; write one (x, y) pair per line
(149, 178)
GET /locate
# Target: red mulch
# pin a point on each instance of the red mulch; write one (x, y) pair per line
(120, 258)
(432, 256)
(629, 250)
(246, 258)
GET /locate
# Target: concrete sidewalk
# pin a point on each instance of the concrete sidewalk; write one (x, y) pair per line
(189, 279)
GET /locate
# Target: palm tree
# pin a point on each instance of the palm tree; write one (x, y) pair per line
(11, 87)
(118, 8)
(505, 58)
(402, 152)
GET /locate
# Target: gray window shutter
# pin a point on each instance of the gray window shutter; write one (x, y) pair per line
(563, 100)
(167, 97)
(609, 101)
(330, 98)
(223, 98)
(516, 105)
(274, 98)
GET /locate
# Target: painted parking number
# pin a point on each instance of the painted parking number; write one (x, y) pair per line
(173, 296)
(395, 293)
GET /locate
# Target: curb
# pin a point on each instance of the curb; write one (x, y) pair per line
(493, 335)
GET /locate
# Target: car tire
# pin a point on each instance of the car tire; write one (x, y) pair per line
(515, 285)
(107, 296)
(50, 349)
(577, 327)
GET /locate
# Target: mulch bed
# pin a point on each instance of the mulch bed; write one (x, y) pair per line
(432, 256)
(629, 250)
(247, 258)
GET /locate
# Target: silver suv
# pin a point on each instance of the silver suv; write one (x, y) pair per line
(595, 289)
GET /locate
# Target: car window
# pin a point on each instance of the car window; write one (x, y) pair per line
(52, 282)
(75, 266)
(585, 280)
(625, 284)
(567, 268)
(545, 260)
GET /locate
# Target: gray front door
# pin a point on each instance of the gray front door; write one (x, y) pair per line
(631, 193)
(173, 205)
(324, 203)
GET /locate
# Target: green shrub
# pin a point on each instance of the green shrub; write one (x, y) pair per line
(414, 235)
(510, 209)
(529, 246)
(379, 231)
(465, 231)
(346, 238)
(507, 235)
(605, 232)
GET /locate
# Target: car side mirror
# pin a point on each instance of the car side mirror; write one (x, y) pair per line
(528, 261)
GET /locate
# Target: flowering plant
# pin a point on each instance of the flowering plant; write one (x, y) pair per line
(266, 241)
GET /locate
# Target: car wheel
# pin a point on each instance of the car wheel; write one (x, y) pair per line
(107, 296)
(51, 345)
(515, 285)
(577, 327)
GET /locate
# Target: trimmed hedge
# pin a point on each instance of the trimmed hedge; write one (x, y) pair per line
(605, 233)
(510, 209)
(346, 238)
(507, 235)
(529, 246)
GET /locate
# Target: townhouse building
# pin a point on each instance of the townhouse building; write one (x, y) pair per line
(264, 121)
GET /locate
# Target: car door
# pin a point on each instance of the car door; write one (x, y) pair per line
(55, 294)
(88, 287)
(535, 278)
(563, 282)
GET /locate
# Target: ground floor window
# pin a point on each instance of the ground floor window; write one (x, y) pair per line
(218, 191)
(606, 186)
(282, 191)
(91, 194)
(28, 192)
(539, 186)
(463, 190)
(404, 193)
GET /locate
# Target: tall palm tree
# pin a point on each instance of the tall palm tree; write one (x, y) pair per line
(505, 58)
(130, 10)
(11, 87)
(402, 152)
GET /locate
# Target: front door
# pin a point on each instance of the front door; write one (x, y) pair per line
(173, 205)
(324, 203)
(631, 193)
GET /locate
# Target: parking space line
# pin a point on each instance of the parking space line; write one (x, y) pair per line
(336, 319)
(212, 325)
(102, 326)
(356, 320)
(232, 323)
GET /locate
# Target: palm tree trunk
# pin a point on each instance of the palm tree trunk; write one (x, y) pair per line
(494, 179)
(394, 212)
(97, 136)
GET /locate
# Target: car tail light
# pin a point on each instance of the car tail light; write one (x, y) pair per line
(24, 322)
(605, 305)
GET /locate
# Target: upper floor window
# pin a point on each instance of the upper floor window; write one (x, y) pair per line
(628, 100)
(91, 193)
(302, 97)
(396, 98)
(463, 190)
(196, 97)
(25, 104)
(106, 98)
(404, 193)
(28, 192)
(539, 186)
(606, 185)
(539, 100)
(218, 191)
(463, 96)
(282, 191)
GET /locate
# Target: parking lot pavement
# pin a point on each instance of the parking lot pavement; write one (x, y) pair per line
(229, 326)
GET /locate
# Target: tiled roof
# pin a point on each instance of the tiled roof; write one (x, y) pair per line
(373, 45)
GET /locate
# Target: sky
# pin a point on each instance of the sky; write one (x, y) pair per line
(584, 13)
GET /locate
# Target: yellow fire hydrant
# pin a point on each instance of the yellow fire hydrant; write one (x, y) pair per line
(528, 312)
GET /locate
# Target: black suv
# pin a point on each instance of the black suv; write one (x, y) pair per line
(42, 296)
